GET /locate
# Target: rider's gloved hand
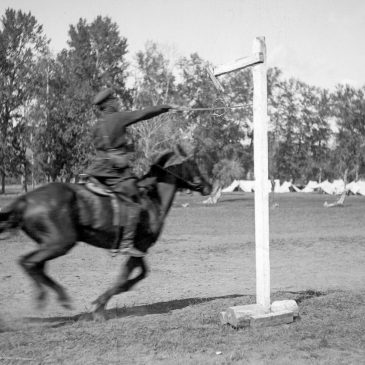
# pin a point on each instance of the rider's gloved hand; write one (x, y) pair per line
(166, 107)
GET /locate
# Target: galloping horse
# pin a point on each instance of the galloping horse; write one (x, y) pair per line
(58, 215)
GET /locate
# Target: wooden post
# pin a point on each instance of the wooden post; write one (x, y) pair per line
(261, 313)
(260, 122)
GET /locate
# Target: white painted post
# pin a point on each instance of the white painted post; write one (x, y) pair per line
(260, 121)
(261, 313)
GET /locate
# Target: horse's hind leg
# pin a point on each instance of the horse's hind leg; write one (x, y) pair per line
(123, 283)
(34, 265)
(41, 292)
(54, 231)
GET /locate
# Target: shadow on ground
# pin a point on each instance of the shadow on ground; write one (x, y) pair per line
(154, 308)
(140, 310)
(160, 308)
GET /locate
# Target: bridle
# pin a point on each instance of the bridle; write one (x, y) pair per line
(188, 183)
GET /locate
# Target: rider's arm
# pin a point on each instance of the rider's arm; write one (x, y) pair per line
(144, 114)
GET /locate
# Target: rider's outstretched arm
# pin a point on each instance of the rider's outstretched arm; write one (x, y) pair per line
(144, 114)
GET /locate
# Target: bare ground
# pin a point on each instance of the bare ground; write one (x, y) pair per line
(208, 252)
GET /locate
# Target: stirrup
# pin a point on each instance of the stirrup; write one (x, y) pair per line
(132, 251)
(114, 252)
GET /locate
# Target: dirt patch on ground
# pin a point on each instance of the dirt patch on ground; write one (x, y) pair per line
(207, 251)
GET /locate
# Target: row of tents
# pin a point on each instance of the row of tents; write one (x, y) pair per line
(332, 188)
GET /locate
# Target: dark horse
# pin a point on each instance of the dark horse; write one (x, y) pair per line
(59, 215)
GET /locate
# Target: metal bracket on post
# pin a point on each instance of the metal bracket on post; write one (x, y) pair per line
(244, 62)
(241, 63)
(215, 81)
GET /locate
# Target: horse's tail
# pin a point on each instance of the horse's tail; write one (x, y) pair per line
(11, 216)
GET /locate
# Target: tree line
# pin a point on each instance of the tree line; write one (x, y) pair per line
(46, 112)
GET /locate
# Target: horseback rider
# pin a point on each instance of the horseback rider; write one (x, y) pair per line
(113, 156)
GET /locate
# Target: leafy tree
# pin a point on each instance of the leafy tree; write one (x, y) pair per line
(98, 55)
(62, 137)
(21, 141)
(154, 84)
(285, 120)
(317, 132)
(300, 116)
(229, 167)
(274, 133)
(22, 43)
(349, 112)
(218, 138)
(95, 59)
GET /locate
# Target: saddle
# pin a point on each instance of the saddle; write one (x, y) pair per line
(99, 189)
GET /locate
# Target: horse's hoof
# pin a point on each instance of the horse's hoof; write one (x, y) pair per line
(99, 303)
(65, 302)
(41, 301)
(67, 305)
(99, 316)
(40, 305)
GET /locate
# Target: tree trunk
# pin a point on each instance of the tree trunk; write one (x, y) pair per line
(341, 200)
(3, 182)
(33, 179)
(32, 172)
(345, 176)
(215, 195)
(24, 182)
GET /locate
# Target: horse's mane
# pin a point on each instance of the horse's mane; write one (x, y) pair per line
(163, 159)
(162, 162)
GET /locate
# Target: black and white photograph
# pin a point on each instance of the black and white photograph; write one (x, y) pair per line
(182, 182)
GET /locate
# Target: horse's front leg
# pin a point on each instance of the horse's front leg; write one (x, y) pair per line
(123, 282)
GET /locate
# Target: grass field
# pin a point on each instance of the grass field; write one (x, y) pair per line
(203, 263)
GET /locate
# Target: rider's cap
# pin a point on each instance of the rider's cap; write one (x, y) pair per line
(102, 96)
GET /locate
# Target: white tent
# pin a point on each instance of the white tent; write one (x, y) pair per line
(332, 188)
(326, 187)
(352, 187)
(356, 187)
(296, 188)
(339, 186)
(247, 186)
(283, 188)
(361, 187)
(231, 187)
(309, 188)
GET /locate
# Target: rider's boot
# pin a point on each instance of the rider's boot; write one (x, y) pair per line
(127, 244)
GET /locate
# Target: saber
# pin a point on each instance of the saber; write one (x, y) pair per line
(185, 109)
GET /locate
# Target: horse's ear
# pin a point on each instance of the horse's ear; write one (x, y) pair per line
(180, 151)
(164, 158)
(177, 157)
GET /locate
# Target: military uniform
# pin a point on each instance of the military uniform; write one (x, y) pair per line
(113, 153)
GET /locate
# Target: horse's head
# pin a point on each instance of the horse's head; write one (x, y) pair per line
(182, 170)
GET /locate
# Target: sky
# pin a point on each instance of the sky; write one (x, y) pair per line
(320, 42)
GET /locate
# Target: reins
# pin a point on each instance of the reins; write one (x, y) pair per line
(174, 175)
